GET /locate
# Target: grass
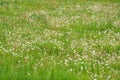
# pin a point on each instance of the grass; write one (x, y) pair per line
(59, 40)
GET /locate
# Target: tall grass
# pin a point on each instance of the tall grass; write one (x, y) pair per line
(59, 40)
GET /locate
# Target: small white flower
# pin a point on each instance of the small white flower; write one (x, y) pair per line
(71, 70)
(28, 73)
(81, 68)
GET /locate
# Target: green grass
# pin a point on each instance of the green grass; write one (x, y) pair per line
(59, 40)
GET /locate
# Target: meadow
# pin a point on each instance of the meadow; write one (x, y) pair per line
(59, 40)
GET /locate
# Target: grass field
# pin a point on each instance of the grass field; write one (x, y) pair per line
(59, 40)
